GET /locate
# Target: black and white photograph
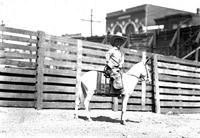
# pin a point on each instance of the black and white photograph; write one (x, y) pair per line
(99, 69)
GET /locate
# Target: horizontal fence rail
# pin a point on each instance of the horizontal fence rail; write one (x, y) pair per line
(178, 85)
(18, 54)
(58, 74)
(42, 71)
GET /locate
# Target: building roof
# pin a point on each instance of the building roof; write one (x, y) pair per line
(133, 9)
(192, 18)
(195, 20)
(155, 12)
(152, 12)
(189, 15)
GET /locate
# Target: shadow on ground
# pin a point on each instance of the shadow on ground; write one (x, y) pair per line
(106, 119)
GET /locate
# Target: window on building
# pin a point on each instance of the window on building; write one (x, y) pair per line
(117, 29)
(140, 29)
(130, 29)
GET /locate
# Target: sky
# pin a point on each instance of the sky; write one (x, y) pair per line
(58, 17)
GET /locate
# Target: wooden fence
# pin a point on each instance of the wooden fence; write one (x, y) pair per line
(176, 85)
(17, 67)
(43, 71)
(74, 57)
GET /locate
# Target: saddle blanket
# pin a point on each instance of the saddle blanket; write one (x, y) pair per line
(105, 87)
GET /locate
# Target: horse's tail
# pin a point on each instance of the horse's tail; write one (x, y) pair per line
(84, 89)
(81, 95)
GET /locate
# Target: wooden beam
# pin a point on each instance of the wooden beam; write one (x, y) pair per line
(78, 67)
(115, 101)
(178, 42)
(151, 40)
(192, 52)
(40, 71)
(197, 38)
(154, 42)
(143, 85)
(17, 31)
(156, 85)
(197, 55)
(173, 39)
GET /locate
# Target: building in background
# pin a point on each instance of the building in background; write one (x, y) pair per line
(155, 29)
(183, 20)
(138, 19)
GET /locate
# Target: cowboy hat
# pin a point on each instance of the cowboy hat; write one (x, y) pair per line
(117, 37)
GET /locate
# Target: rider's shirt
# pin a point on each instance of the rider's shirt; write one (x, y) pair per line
(114, 58)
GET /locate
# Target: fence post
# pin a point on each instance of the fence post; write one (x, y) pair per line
(156, 84)
(40, 70)
(115, 103)
(143, 98)
(78, 67)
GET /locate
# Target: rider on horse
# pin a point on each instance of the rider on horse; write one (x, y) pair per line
(115, 60)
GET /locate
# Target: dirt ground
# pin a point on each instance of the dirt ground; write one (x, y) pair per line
(28, 123)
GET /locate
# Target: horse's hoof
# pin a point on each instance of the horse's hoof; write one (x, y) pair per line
(75, 117)
(90, 120)
(123, 122)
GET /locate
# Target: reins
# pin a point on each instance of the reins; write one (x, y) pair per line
(140, 78)
(134, 76)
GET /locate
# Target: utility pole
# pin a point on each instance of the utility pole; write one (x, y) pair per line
(3, 25)
(91, 21)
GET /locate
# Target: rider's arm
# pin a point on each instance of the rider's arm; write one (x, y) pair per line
(108, 54)
(122, 62)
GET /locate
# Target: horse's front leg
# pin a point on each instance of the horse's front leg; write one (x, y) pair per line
(124, 106)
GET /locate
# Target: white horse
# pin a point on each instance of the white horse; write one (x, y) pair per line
(130, 80)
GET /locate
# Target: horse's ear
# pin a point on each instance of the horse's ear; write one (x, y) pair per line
(148, 59)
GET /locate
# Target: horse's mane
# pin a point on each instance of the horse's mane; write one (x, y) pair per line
(134, 70)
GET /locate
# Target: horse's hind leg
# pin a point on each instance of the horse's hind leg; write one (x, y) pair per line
(86, 103)
(77, 102)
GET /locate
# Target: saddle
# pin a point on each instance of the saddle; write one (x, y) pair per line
(107, 86)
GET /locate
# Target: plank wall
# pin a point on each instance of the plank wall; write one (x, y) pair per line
(17, 67)
(179, 85)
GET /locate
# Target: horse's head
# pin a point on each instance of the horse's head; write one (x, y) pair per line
(145, 71)
(141, 70)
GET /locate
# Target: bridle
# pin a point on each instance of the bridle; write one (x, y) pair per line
(135, 76)
(147, 72)
(141, 77)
